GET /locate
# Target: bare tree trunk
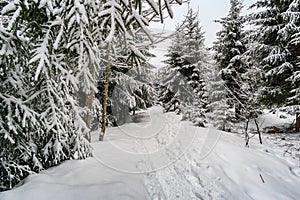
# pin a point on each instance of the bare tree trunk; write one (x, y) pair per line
(297, 121)
(258, 131)
(247, 138)
(88, 102)
(105, 96)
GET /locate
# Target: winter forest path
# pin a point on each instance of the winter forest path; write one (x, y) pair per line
(161, 157)
(158, 148)
(181, 161)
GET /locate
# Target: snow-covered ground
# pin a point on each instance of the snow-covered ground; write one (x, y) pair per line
(276, 136)
(161, 157)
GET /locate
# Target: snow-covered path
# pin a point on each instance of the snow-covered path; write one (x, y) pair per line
(161, 157)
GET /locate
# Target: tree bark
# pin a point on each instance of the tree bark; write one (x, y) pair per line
(297, 121)
(88, 102)
(105, 96)
(247, 138)
(258, 131)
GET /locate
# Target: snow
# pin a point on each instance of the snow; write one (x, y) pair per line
(80, 180)
(11, 6)
(162, 157)
(269, 119)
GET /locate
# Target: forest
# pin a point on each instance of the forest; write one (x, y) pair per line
(72, 70)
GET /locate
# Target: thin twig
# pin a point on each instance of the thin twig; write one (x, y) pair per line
(262, 178)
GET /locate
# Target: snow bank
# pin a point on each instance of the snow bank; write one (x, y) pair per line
(165, 158)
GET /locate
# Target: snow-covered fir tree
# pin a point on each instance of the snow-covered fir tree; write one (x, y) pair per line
(229, 48)
(197, 111)
(14, 113)
(277, 49)
(43, 126)
(183, 83)
(221, 113)
(293, 14)
(173, 88)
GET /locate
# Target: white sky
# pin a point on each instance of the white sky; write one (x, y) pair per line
(209, 10)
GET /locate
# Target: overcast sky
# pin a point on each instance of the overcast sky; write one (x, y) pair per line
(209, 10)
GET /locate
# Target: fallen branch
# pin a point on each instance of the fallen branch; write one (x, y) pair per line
(261, 178)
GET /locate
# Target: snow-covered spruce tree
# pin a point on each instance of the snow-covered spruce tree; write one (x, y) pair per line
(17, 119)
(277, 49)
(199, 79)
(64, 60)
(229, 48)
(171, 89)
(197, 111)
(293, 14)
(41, 123)
(221, 113)
(183, 85)
(199, 58)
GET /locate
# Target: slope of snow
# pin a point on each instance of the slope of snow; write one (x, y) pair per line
(268, 119)
(162, 157)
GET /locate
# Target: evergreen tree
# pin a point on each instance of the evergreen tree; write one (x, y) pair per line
(43, 125)
(293, 15)
(277, 49)
(184, 83)
(173, 90)
(14, 113)
(229, 48)
(196, 112)
(221, 113)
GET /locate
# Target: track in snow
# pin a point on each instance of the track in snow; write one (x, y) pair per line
(168, 158)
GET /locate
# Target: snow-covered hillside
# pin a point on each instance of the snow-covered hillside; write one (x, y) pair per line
(161, 157)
